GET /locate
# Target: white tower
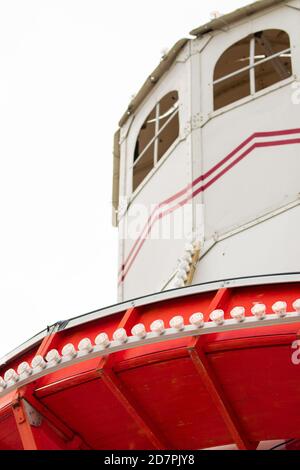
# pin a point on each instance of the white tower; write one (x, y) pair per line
(209, 152)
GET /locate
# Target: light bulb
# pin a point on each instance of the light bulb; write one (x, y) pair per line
(296, 306)
(238, 314)
(139, 330)
(102, 340)
(177, 322)
(120, 335)
(53, 356)
(69, 350)
(24, 368)
(179, 282)
(279, 308)
(11, 376)
(197, 319)
(217, 316)
(157, 327)
(38, 362)
(85, 345)
(259, 311)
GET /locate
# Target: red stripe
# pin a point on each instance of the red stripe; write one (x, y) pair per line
(150, 222)
(202, 178)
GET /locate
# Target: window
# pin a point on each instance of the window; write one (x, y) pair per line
(252, 64)
(157, 134)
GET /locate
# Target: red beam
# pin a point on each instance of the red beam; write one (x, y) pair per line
(143, 422)
(117, 388)
(211, 381)
(216, 392)
(23, 425)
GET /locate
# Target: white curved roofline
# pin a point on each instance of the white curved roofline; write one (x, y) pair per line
(150, 299)
(169, 58)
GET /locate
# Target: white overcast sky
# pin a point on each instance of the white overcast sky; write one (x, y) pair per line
(67, 71)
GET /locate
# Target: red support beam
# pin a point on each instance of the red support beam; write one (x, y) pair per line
(214, 389)
(211, 382)
(143, 422)
(117, 388)
(23, 425)
(64, 433)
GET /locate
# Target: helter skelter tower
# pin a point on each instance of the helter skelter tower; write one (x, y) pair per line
(206, 200)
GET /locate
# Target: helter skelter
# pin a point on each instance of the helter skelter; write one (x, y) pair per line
(206, 355)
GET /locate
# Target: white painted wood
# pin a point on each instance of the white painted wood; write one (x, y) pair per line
(262, 182)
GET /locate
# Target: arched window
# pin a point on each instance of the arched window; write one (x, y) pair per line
(250, 65)
(159, 131)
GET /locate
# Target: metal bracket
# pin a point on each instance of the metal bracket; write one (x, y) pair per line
(197, 120)
(34, 417)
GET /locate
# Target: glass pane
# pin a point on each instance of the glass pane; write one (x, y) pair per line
(168, 135)
(143, 166)
(272, 71)
(269, 42)
(231, 90)
(146, 134)
(233, 59)
(167, 105)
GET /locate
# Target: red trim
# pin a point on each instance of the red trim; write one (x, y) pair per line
(153, 218)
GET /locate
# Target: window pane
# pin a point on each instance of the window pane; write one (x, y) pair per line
(272, 71)
(147, 133)
(167, 105)
(168, 136)
(267, 43)
(151, 145)
(231, 90)
(233, 59)
(143, 166)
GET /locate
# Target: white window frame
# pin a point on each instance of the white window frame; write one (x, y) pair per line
(251, 69)
(157, 133)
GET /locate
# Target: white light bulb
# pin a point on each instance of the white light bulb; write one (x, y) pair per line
(102, 340)
(85, 345)
(11, 376)
(24, 368)
(139, 330)
(189, 247)
(217, 316)
(184, 265)
(187, 257)
(259, 311)
(2, 384)
(181, 274)
(68, 350)
(120, 335)
(197, 319)
(279, 308)
(238, 314)
(296, 306)
(197, 245)
(179, 282)
(38, 362)
(177, 322)
(53, 356)
(157, 327)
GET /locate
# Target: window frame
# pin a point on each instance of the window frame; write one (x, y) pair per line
(154, 140)
(251, 68)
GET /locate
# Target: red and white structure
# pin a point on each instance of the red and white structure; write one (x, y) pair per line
(206, 200)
